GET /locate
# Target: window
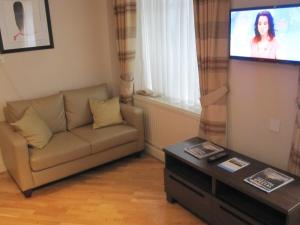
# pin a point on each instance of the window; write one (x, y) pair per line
(166, 60)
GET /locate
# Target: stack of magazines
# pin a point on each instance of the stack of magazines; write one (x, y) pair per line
(203, 149)
(268, 180)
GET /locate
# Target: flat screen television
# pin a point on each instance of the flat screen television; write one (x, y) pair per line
(266, 34)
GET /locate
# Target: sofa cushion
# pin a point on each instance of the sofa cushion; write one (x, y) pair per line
(33, 129)
(77, 107)
(50, 109)
(106, 113)
(63, 147)
(107, 137)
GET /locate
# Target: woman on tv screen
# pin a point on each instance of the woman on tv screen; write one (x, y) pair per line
(267, 33)
(264, 43)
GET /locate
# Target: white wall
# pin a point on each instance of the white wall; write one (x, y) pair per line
(260, 92)
(84, 55)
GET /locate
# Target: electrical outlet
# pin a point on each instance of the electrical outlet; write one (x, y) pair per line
(274, 125)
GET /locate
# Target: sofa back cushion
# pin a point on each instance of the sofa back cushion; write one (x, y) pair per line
(77, 107)
(50, 109)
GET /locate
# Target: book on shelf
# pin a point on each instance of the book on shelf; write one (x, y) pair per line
(203, 149)
(233, 164)
(268, 180)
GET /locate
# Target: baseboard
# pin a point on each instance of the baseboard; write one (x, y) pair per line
(155, 152)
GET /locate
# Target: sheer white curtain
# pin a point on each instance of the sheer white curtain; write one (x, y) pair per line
(166, 60)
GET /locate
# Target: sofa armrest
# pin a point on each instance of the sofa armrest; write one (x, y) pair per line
(134, 116)
(16, 156)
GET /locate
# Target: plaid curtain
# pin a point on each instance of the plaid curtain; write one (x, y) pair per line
(211, 24)
(125, 12)
(294, 161)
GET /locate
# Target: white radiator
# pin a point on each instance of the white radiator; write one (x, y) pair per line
(165, 125)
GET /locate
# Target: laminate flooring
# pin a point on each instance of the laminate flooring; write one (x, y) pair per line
(129, 191)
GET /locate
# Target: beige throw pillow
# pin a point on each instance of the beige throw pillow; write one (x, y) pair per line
(106, 112)
(33, 129)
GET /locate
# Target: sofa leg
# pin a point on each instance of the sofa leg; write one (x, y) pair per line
(27, 193)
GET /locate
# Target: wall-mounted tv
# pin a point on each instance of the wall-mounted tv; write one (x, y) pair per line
(266, 33)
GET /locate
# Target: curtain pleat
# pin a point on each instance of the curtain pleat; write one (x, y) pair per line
(125, 14)
(211, 25)
(294, 160)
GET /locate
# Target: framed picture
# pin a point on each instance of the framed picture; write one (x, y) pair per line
(25, 25)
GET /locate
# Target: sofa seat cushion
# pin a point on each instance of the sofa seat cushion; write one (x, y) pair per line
(63, 147)
(107, 137)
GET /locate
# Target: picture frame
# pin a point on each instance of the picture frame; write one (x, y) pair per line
(25, 25)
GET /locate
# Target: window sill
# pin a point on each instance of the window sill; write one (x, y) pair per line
(192, 111)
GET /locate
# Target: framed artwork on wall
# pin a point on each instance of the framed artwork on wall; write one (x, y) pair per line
(25, 26)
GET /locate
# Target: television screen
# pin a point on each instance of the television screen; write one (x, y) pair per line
(266, 33)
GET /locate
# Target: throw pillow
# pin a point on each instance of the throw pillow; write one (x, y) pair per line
(106, 112)
(33, 129)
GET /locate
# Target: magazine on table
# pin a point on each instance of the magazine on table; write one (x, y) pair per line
(203, 149)
(233, 164)
(268, 180)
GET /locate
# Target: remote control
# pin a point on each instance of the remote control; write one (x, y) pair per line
(217, 156)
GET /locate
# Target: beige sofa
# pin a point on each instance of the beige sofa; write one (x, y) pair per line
(75, 145)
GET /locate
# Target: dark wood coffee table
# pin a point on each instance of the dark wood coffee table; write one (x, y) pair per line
(223, 198)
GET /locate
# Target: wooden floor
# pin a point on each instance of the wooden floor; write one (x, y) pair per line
(129, 191)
